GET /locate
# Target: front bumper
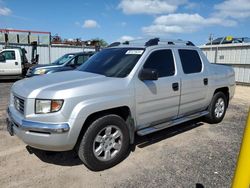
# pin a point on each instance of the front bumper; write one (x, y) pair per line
(46, 136)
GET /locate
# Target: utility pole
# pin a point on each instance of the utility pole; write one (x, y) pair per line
(210, 38)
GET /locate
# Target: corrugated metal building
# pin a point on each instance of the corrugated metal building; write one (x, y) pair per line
(235, 55)
(48, 54)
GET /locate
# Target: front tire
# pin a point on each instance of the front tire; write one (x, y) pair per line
(105, 143)
(217, 108)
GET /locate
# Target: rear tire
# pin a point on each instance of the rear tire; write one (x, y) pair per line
(105, 143)
(217, 108)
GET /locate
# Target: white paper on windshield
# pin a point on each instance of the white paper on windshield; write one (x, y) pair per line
(134, 52)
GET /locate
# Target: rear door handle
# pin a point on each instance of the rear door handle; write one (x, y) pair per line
(16, 63)
(175, 86)
(205, 81)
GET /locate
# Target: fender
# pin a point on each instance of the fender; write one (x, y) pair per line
(85, 108)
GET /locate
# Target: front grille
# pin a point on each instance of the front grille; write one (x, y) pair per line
(19, 104)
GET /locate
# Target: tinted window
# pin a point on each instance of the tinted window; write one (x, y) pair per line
(190, 60)
(81, 59)
(162, 61)
(113, 62)
(9, 55)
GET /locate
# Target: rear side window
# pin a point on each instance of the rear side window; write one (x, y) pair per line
(190, 60)
(162, 61)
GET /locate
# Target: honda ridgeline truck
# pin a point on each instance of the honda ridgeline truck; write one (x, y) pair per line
(128, 89)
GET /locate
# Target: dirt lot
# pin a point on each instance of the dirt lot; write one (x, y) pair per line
(187, 155)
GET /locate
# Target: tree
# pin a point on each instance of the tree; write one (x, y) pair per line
(102, 42)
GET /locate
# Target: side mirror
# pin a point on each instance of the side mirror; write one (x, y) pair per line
(148, 74)
(2, 58)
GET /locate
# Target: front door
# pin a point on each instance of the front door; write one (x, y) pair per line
(158, 101)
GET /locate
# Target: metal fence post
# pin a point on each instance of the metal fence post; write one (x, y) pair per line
(49, 47)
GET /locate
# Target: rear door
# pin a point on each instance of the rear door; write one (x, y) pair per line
(12, 64)
(158, 101)
(194, 82)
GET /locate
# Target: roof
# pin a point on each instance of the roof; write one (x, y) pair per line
(234, 45)
(229, 40)
(79, 53)
(151, 42)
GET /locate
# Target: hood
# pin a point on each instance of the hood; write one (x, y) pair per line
(44, 66)
(48, 68)
(66, 85)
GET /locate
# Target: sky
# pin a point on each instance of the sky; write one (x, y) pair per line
(120, 20)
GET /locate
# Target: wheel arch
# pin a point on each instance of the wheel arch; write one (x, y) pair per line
(224, 90)
(123, 111)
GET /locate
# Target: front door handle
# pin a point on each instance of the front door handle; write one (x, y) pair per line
(205, 81)
(16, 63)
(175, 86)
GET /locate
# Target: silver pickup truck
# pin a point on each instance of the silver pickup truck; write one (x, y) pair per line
(129, 88)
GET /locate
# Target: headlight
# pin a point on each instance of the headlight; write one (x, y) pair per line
(40, 71)
(44, 106)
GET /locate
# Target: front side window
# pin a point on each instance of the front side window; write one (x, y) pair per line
(113, 62)
(9, 55)
(162, 61)
(190, 61)
(79, 60)
(82, 58)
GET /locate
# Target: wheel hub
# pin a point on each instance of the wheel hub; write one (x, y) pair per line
(219, 108)
(107, 143)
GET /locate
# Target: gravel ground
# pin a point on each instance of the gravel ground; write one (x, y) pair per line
(193, 154)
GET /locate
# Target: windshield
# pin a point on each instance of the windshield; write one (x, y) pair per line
(65, 58)
(113, 62)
